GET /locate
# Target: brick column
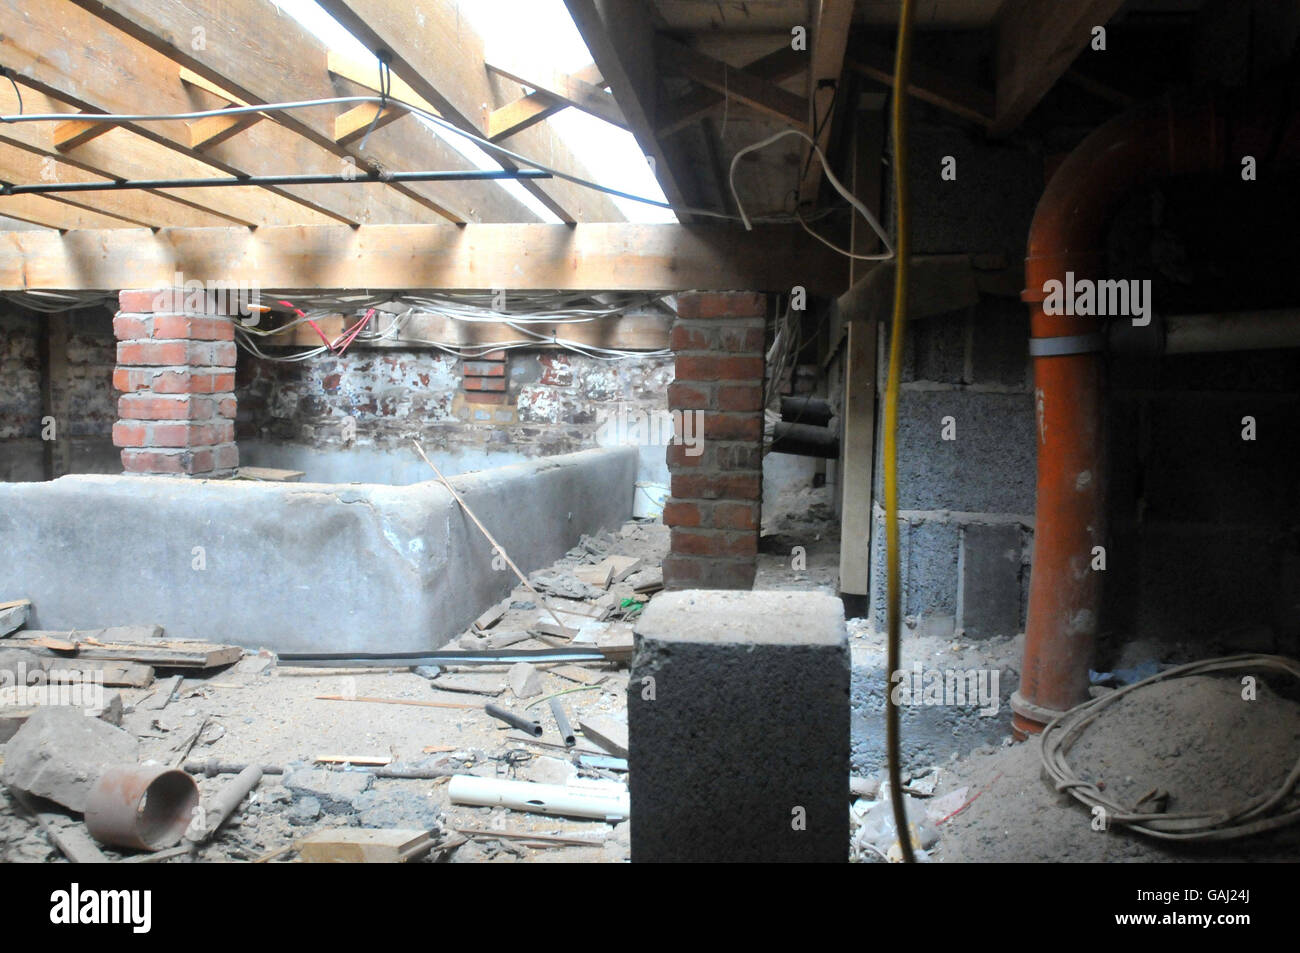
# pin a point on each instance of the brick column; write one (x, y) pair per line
(714, 508)
(177, 371)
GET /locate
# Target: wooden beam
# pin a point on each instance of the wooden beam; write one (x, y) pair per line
(829, 38)
(355, 124)
(856, 465)
(1038, 40)
(739, 85)
(43, 210)
(76, 132)
(432, 47)
(775, 67)
(590, 257)
(55, 394)
(60, 53)
(567, 88)
(927, 84)
(519, 114)
(21, 165)
(276, 60)
(616, 34)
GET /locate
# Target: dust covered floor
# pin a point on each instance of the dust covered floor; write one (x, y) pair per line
(260, 713)
(1194, 737)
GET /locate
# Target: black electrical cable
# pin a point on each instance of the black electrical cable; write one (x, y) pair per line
(385, 88)
(374, 175)
(8, 74)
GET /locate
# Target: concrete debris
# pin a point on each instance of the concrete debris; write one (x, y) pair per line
(263, 663)
(524, 680)
(876, 830)
(564, 584)
(396, 807)
(13, 615)
(59, 753)
(335, 790)
(606, 732)
(864, 787)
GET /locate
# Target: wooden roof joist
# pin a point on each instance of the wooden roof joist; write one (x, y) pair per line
(518, 114)
(58, 51)
(617, 35)
(436, 52)
(591, 257)
(276, 60)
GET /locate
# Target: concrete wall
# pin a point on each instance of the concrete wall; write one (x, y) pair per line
(297, 567)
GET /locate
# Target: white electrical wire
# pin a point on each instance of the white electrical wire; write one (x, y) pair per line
(835, 183)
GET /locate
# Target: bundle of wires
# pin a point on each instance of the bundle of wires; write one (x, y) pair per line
(528, 310)
(1263, 812)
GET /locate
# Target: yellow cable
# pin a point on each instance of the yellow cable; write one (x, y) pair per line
(890, 429)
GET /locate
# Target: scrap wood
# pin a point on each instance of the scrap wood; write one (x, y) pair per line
(492, 616)
(395, 701)
(621, 566)
(171, 654)
(371, 760)
(438, 749)
(576, 673)
(495, 545)
(74, 842)
(488, 834)
(598, 576)
(163, 692)
(350, 845)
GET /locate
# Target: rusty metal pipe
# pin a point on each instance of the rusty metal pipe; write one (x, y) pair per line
(146, 807)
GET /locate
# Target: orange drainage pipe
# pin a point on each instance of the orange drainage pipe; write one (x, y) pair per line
(1150, 142)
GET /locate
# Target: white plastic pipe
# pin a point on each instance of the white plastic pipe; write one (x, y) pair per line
(606, 800)
(1233, 331)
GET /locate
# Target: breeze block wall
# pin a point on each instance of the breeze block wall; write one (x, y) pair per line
(713, 511)
(176, 369)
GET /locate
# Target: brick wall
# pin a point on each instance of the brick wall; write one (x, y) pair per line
(176, 369)
(714, 508)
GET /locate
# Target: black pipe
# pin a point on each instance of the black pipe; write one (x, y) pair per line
(515, 721)
(804, 440)
(468, 175)
(797, 409)
(471, 657)
(562, 723)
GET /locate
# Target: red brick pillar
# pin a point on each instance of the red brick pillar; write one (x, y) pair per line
(714, 508)
(177, 371)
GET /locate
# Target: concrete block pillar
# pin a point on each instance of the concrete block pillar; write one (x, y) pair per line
(176, 371)
(738, 728)
(716, 463)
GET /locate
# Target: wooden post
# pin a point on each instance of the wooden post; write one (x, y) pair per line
(54, 394)
(858, 437)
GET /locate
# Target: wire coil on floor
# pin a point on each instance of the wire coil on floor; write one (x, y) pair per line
(1261, 813)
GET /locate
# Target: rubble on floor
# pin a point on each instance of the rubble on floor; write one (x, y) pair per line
(301, 725)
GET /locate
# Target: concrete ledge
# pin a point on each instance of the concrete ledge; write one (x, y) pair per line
(738, 728)
(297, 567)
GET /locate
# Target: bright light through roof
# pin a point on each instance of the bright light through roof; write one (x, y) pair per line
(512, 31)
